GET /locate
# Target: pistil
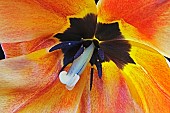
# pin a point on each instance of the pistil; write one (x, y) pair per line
(71, 77)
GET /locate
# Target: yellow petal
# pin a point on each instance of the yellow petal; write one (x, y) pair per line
(148, 80)
(27, 19)
(140, 87)
(57, 98)
(24, 77)
(109, 94)
(146, 21)
(27, 47)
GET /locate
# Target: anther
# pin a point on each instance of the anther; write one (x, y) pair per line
(65, 45)
(101, 54)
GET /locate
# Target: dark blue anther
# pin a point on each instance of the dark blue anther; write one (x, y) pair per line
(68, 62)
(101, 54)
(79, 52)
(93, 58)
(99, 68)
(65, 44)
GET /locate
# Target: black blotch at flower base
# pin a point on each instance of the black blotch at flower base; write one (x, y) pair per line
(107, 38)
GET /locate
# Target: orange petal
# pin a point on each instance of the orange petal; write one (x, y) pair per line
(148, 80)
(145, 20)
(27, 19)
(109, 94)
(140, 87)
(23, 77)
(56, 99)
(24, 48)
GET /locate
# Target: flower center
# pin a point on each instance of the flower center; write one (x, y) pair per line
(71, 77)
(85, 54)
(80, 47)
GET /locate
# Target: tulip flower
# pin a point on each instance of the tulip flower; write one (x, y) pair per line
(73, 56)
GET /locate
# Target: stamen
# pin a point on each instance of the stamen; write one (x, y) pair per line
(91, 77)
(78, 66)
(101, 54)
(79, 52)
(99, 68)
(65, 45)
(68, 62)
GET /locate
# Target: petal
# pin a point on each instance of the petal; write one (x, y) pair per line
(145, 20)
(109, 94)
(137, 88)
(27, 47)
(23, 77)
(29, 19)
(148, 80)
(56, 99)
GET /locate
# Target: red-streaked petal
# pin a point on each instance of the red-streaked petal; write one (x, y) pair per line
(147, 21)
(109, 94)
(57, 98)
(24, 48)
(140, 87)
(29, 19)
(23, 77)
(148, 79)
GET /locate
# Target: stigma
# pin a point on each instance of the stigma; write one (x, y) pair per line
(81, 59)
